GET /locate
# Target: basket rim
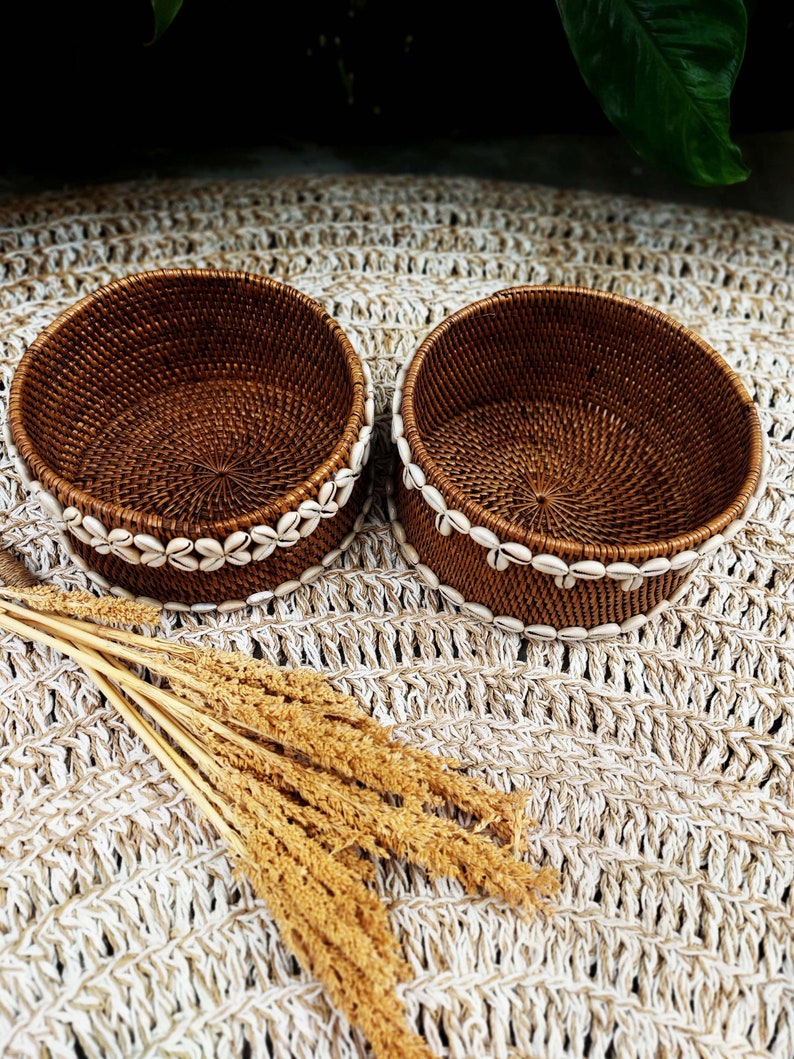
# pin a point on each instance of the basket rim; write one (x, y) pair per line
(115, 514)
(507, 530)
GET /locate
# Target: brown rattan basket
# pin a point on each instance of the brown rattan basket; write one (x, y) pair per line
(568, 455)
(199, 436)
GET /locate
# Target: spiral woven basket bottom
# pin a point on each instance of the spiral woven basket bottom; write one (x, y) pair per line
(204, 450)
(565, 468)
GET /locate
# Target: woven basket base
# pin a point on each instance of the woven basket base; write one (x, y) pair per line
(202, 450)
(547, 472)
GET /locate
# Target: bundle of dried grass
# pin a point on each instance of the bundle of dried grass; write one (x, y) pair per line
(304, 788)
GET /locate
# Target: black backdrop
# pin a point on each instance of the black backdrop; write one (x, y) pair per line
(80, 87)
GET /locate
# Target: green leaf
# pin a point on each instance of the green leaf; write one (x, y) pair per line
(165, 11)
(663, 72)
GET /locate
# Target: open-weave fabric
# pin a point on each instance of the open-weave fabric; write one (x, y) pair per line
(659, 765)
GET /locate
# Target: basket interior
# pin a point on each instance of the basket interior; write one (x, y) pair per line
(192, 397)
(586, 419)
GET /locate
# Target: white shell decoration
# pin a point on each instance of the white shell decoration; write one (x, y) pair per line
(587, 570)
(414, 477)
(427, 575)
(94, 527)
(458, 520)
(550, 564)
(655, 567)
(484, 537)
(444, 525)
(434, 498)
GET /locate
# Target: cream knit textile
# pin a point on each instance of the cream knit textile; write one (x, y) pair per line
(659, 764)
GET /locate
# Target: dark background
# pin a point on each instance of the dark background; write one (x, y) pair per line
(84, 95)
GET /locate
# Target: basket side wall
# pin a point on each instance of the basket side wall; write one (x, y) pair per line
(230, 582)
(521, 591)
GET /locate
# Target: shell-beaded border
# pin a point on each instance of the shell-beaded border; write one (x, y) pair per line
(502, 554)
(230, 605)
(507, 623)
(206, 554)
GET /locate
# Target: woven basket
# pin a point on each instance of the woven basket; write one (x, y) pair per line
(568, 456)
(199, 436)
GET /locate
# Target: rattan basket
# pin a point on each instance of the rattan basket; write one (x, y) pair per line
(199, 436)
(567, 457)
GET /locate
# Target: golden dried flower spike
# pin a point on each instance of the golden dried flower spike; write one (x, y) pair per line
(302, 787)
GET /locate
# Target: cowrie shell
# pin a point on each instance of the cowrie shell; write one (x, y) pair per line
(458, 520)
(262, 551)
(542, 632)
(95, 527)
(184, 562)
(427, 575)
(604, 632)
(404, 451)
(120, 536)
(50, 504)
(496, 560)
(587, 570)
(479, 610)
(443, 525)
(433, 497)
(311, 574)
(622, 571)
(358, 456)
(310, 509)
(81, 534)
(264, 535)
(287, 523)
(309, 526)
(517, 553)
(572, 632)
(550, 564)
(147, 543)
(212, 562)
(452, 594)
(153, 559)
(414, 476)
(71, 516)
(209, 547)
(285, 588)
(235, 541)
(484, 537)
(655, 567)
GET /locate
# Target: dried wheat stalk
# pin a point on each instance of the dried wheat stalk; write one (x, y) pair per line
(303, 787)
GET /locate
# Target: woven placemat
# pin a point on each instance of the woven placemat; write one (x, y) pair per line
(659, 765)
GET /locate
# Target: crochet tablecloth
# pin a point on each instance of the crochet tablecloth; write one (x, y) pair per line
(658, 765)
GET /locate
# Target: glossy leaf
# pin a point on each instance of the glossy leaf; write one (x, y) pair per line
(165, 11)
(663, 72)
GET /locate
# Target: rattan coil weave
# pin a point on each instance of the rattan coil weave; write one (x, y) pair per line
(659, 764)
(192, 431)
(573, 430)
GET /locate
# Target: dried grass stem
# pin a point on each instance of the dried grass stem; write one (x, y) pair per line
(304, 789)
